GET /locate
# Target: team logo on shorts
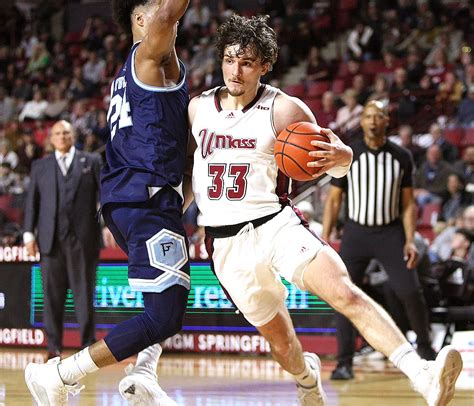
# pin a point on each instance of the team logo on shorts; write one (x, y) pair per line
(167, 250)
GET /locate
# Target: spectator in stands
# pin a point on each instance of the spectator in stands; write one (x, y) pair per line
(465, 167)
(197, 14)
(454, 198)
(93, 70)
(102, 129)
(111, 66)
(405, 133)
(359, 85)
(449, 151)
(317, 68)
(450, 92)
(441, 249)
(465, 115)
(414, 67)
(57, 103)
(402, 98)
(21, 91)
(360, 41)
(7, 154)
(8, 179)
(326, 116)
(7, 106)
(94, 33)
(352, 68)
(78, 88)
(91, 142)
(380, 90)
(40, 132)
(348, 116)
(28, 150)
(13, 132)
(40, 59)
(35, 108)
(439, 67)
(432, 177)
(307, 209)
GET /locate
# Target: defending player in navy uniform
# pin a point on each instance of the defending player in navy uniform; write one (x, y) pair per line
(142, 202)
(253, 241)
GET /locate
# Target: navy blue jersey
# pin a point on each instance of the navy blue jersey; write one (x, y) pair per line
(149, 133)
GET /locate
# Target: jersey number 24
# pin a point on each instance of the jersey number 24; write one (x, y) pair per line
(121, 113)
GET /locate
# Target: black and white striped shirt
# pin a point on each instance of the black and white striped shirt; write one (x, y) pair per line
(374, 182)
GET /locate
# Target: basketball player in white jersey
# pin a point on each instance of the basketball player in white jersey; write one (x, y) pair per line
(254, 240)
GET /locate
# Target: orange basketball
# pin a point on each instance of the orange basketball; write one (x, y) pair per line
(291, 150)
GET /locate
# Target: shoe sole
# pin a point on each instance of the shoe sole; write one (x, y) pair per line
(447, 376)
(141, 395)
(318, 373)
(39, 394)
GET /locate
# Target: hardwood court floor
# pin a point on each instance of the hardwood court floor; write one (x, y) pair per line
(216, 380)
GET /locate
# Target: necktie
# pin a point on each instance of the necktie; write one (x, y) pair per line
(62, 164)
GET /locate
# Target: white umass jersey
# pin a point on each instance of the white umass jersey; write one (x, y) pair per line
(235, 173)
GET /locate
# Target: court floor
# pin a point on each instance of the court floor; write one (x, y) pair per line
(221, 380)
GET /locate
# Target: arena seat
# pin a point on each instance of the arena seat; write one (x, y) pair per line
(468, 138)
(316, 89)
(338, 86)
(454, 135)
(297, 90)
(313, 104)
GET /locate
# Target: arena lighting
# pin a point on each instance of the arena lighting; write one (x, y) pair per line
(208, 307)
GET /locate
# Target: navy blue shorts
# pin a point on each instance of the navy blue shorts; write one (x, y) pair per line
(153, 236)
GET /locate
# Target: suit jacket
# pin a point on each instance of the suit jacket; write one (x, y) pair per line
(42, 201)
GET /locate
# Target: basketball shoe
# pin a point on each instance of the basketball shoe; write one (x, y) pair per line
(140, 388)
(46, 385)
(437, 379)
(314, 395)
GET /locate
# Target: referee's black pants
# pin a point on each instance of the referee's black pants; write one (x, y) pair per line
(359, 245)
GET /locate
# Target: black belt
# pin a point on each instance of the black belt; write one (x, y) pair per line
(230, 231)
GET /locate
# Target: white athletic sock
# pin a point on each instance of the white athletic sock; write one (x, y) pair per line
(407, 360)
(147, 360)
(307, 378)
(76, 367)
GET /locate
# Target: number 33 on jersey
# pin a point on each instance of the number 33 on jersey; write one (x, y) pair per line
(235, 149)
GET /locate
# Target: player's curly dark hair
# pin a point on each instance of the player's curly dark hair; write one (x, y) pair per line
(122, 10)
(252, 33)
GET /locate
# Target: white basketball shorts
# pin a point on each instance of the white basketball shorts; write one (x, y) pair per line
(250, 264)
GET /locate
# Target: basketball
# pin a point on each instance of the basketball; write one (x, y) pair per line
(291, 150)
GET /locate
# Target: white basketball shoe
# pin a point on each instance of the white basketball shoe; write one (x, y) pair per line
(140, 388)
(46, 385)
(312, 396)
(437, 380)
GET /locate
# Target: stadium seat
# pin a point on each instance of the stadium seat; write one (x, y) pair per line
(316, 89)
(5, 202)
(454, 135)
(468, 138)
(338, 86)
(348, 5)
(297, 90)
(313, 104)
(372, 67)
(429, 214)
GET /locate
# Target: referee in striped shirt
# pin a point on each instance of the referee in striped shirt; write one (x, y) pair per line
(380, 225)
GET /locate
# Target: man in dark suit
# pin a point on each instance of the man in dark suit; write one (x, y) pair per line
(61, 211)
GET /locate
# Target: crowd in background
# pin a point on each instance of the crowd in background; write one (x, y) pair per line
(415, 55)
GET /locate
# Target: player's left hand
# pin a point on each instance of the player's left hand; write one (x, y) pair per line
(330, 154)
(410, 254)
